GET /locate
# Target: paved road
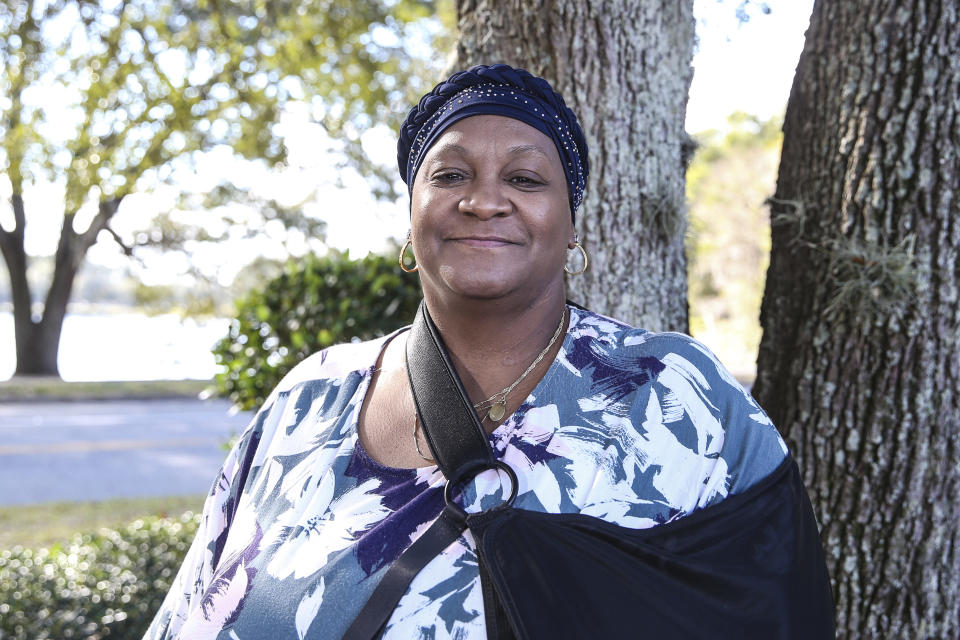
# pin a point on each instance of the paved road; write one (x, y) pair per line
(111, 449)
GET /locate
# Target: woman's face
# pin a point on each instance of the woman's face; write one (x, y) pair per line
(490, 214)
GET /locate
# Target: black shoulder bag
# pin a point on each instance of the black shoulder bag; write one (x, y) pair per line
(749, 567)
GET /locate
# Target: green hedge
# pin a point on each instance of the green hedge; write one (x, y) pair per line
(315, 303)
(108, 584)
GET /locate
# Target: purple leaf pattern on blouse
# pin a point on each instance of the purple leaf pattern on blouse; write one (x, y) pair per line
(632, 427)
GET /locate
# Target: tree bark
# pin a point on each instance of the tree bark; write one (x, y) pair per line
(38, 341)
(859, 364)
(624, 68)
(15, 257)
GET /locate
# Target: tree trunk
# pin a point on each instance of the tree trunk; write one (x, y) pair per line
(29, 346)
(38, 341)
(859, 364)
(624, 68)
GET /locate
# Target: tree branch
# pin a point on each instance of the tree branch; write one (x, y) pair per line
(127, 249)
(108, 208)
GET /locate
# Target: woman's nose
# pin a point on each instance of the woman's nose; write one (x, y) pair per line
(485, 198)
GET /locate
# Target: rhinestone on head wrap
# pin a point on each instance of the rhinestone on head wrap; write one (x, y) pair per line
(496, 90)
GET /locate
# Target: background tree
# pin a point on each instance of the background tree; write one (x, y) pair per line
(859, 363)
(624, 67)
(728, 240)
(106, 96)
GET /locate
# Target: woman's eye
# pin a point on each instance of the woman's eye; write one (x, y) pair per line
(448, 177)
(525, 181)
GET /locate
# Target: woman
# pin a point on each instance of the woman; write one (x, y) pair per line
(334, 480)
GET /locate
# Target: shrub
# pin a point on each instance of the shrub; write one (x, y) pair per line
(315, 303)
(108, 584)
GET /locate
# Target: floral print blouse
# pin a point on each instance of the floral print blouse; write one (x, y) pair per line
(633, 427)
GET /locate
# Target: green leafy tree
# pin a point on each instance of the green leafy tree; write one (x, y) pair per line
(106, 97)
(315, 303)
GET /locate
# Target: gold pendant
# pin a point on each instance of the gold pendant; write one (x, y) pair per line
(497, 411)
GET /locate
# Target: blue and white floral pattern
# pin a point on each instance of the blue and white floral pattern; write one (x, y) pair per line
(632, 427)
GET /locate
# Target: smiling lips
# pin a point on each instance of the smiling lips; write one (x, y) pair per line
(483, 242)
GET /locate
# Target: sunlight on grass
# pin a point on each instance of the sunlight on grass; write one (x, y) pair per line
(47, 524)
(41, 388)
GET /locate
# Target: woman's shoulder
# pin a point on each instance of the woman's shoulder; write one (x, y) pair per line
(680, 386)
(322, 385)
(331, 366)
(661, 350)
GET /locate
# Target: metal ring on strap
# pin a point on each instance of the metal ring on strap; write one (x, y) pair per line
(472, 473)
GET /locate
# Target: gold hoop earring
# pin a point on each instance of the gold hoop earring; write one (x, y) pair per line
(403, 249)
(586, 260)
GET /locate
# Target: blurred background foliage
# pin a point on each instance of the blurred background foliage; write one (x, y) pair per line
(315, 303)
(106, 100)
(144, 82)
(206, 297)
(108, 584)
(732, 174)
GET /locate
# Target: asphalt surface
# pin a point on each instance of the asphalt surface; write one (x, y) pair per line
(56, 451)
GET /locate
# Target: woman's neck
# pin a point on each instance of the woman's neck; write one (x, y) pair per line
(492, 342)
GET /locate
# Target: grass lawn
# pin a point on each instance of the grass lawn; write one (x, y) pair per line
(47, 524)
(45, 388)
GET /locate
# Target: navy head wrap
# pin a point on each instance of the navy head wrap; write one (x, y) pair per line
(495, 90)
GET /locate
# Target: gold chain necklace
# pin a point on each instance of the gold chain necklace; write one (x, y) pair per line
(497, 403)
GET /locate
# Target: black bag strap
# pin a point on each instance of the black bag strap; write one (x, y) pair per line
(372, 619)
(454, 433)
(460, 447)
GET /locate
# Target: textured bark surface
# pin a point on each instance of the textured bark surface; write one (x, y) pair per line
(624, 68)
(859, 363)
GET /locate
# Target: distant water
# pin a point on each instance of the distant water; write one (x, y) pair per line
(127, 346)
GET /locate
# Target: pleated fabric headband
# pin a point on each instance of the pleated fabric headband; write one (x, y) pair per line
(496, 90)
